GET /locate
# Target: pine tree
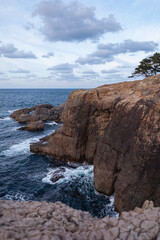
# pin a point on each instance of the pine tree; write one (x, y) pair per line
(148, 66)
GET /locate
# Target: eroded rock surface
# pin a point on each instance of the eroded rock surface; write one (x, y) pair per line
(118, 128)
(43, 112)
(48, 221)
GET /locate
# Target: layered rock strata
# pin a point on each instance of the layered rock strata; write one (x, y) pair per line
(47, 221)
(116, 127)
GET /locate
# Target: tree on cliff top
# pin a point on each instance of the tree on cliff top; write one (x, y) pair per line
(148, 66)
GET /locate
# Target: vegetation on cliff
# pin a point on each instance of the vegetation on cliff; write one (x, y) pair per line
(148, 66)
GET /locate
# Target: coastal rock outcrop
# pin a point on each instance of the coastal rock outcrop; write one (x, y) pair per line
(43, 112)
(33, 126)
(116, 127)
(48, 221)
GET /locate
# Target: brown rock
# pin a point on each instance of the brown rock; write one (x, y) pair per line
(116, 127)
(44, 112)
(33, 126)
(56, 175)
(16, 114)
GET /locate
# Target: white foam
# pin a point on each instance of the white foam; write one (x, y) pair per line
(22, 147)
(5, 119)
(17, 196)
(52, 123)
(13, 110)
(69, 174)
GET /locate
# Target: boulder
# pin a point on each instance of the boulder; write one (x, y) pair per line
(33, 126)
(117, 128)
(57, 175)
(16, 114)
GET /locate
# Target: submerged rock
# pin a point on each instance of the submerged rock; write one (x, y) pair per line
(42, 220)
(33, 126)
(117, 127)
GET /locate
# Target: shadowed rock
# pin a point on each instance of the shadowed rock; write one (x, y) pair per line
(117, 127)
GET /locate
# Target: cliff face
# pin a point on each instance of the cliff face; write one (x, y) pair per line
(116, 127)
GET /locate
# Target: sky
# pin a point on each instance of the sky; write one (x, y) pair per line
(73, 44)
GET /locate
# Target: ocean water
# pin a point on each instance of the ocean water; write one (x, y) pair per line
(26, 176)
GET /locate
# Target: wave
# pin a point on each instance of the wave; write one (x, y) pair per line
(68, 174)
(13, 110)
(17, 196)
(22, 147)
(5, 119)
(52, 123)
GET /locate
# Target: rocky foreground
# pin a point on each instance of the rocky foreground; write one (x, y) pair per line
(116, 127)
(56, 221)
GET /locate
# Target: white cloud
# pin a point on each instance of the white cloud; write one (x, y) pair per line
(72, 21)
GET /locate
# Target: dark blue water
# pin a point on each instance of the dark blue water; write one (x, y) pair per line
(25, 176)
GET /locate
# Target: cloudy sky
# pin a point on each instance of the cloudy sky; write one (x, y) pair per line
(69, 44)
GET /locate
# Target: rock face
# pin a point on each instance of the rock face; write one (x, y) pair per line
(33, 126)
(43, 112)
(116, 127)
(48, 221)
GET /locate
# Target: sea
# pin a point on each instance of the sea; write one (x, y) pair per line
(25, 176)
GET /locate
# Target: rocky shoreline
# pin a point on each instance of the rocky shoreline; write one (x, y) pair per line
(47, 221)
(116, 128)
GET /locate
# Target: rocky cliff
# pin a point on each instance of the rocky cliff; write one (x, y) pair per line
(116, 127)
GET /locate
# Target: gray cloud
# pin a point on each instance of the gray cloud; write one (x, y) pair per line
(48, 55)
(72, 21)
(7, 49)
(63, 68)
(115, 78)
(89, 72)
(110, 71)
(27, 76)
(29, 26)
(21, 54)
(19, 71)
(69, 77)
(10, 51)
(32, 75)
(106, 52)
(2, 73)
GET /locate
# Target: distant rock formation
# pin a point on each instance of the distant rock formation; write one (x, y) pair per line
(116, 127)
(37, 115)
(41, 220)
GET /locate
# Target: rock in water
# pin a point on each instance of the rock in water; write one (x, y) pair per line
(57, 175)
(33, 126)
(44, 112)
(117, 127)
